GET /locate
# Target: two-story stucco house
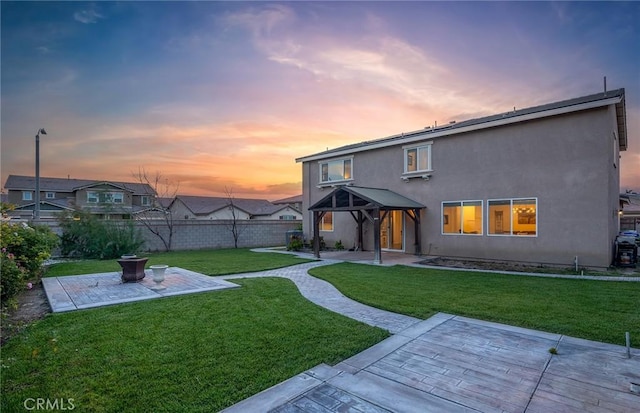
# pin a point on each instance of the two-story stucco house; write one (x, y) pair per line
(536, 185)
(105, 199)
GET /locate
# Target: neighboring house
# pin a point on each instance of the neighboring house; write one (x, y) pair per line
(203, 207)
(294, 202)
(537, 185)
(630, 211)
(107, 199)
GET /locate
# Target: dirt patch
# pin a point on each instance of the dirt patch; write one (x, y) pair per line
(32, 306)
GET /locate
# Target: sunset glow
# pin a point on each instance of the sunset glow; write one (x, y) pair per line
(229, 94)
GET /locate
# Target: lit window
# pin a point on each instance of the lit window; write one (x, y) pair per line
(27, 196)
(326, 224)
(462, 217)
(417, 159)
(513, 217)
(333, 171)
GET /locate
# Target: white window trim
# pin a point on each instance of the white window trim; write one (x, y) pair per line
(322, 183)
(423, 173)
(511, 217)
(144, 198)
(462, 218)
(94, 195)
(27, 196)
(50, 195)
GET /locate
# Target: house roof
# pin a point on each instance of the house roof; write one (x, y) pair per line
(353, 198)
(25, 183)
(614, 97)
(291, 200)
(204, 205)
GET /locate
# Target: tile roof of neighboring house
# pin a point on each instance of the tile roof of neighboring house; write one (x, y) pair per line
(18, 182)
(290, 200)
(203, 205)
(596, 100)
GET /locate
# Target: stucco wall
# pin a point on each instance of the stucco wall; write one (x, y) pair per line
(565, 161)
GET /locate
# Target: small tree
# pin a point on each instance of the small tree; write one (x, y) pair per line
(235, 229)
(158, 217)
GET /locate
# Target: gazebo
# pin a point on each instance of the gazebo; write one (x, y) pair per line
(363, 203)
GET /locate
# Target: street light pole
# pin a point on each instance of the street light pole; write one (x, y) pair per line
(36, 213)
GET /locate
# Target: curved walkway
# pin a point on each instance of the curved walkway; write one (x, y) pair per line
(326, 295)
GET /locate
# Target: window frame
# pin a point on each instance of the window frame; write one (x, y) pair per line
(418, 147)
(27, 196)
(461, 206)
(327, 162)
(145, 200)
(106, 197)
(50, 195)
(512, 233)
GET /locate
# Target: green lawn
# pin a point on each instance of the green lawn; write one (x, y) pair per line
(208, 262)
(595, 310)
(191, 353)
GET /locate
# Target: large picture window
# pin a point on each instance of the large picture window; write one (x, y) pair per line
(417, 159)
(462, 217)
(339, 170)
(513, 217)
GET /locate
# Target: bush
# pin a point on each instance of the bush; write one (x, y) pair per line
(295, 243)
(338, 245)
(23, 250)
(86, 236)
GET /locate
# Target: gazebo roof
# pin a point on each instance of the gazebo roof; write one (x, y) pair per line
(354, 198)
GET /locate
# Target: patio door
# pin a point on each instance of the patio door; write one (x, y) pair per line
(392, 231)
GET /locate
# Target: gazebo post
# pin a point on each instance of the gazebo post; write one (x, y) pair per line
(360, 236)
(418, 236)
(316, 234)
(377, 250)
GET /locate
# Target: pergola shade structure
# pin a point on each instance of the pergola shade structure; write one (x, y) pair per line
(366, 203)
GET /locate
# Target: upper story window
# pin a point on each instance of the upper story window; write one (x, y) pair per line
(417, 158)
(288, 217)
(94, 197)
(145, 200)
(50, 195)
(338, 170)
(27, 196)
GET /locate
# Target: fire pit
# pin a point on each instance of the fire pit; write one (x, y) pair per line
(132, 268)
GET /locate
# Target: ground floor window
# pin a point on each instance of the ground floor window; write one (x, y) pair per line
(326, 223)
(518, 216)
(462, 217)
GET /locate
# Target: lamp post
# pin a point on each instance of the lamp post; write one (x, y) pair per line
(36, 212)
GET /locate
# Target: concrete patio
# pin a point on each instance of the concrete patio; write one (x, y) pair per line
(456, 364)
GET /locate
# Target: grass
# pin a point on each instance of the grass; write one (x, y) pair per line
(208, 262)
(595, 310)
(191, 353)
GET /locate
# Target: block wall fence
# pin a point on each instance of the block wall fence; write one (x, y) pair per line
(201, 234)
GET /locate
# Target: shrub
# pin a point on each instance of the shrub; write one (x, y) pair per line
(86, 236)
(295, 243)
(23, 250)
(338, 245)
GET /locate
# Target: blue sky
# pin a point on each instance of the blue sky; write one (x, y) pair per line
(215, 94)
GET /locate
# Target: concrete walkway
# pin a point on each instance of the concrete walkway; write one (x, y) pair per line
(326, 295)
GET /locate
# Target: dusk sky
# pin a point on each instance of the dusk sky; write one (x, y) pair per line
(229, 94)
